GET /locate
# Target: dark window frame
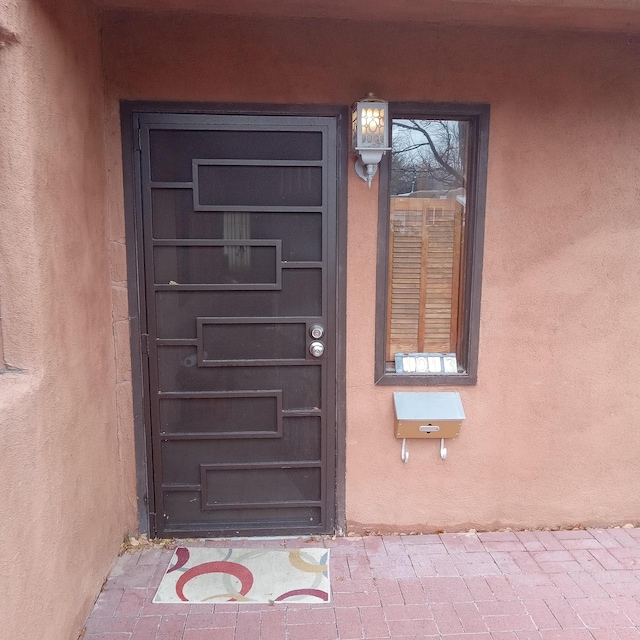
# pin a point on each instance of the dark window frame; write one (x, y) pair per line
(478, 117)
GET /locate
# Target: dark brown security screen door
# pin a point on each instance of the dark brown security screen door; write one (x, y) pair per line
(238, 237)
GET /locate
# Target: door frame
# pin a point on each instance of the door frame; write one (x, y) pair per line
(130, 111)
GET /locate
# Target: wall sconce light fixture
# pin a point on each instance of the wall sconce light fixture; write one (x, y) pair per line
(370, 135)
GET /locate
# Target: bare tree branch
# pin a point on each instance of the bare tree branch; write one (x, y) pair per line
(439, 158)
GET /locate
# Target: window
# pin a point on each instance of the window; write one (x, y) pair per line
(430, 238)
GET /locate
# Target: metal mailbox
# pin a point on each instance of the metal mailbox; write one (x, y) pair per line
(426, 414)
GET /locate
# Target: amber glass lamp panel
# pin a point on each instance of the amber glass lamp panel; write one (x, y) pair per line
(427, 220)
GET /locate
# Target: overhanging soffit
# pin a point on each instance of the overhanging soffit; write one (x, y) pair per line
(621, 16)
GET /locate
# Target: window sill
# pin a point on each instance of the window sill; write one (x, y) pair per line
(408, 380)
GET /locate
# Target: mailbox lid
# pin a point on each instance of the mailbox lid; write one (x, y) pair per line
(428, 405)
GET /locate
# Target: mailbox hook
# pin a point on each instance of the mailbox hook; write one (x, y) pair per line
(404, 454)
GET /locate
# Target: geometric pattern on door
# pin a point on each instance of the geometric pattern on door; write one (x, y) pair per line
(237, 233)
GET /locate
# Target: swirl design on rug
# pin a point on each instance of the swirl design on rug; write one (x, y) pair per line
(296, 559)
(242, 573)
(315, 593)
(182, 557)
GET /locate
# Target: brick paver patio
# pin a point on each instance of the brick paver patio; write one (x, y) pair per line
(532, 585)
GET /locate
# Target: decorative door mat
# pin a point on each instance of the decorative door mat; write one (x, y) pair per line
(268, 576)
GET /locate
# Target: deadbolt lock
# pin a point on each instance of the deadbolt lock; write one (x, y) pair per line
(316, 331)
(316, 349)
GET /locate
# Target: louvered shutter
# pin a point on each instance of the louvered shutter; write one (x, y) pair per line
(424, 275)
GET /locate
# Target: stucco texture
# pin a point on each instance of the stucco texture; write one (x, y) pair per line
(66, 470)
(551, 436)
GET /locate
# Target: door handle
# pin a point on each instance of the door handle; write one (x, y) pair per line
(316, 349)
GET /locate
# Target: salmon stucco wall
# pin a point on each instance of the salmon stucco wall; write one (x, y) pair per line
(66, 472)
(551, 436)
